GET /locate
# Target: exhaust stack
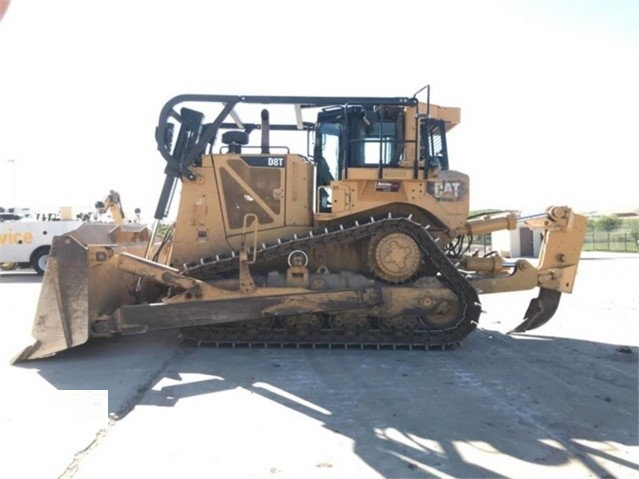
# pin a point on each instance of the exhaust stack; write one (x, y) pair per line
(266, 130)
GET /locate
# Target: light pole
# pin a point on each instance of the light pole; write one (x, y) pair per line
(13, 182)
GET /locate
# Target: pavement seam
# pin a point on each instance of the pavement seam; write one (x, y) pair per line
(123, 411)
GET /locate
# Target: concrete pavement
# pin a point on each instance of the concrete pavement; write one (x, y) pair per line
(560, 401)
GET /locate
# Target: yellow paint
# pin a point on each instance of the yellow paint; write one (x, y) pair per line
(16, 238)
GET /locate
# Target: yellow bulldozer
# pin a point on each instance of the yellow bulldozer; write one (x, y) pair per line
(364, 240)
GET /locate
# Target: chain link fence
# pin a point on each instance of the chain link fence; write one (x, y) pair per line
(620, 242)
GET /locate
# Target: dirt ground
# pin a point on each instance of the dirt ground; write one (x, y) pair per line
(561, 401)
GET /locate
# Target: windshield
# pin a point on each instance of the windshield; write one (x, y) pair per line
(329, 135)
(435, 150)
(378, 145)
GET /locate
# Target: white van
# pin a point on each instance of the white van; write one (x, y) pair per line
(27, 241)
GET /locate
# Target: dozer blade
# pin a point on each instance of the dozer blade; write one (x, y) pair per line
(540, 310)
(74, 290)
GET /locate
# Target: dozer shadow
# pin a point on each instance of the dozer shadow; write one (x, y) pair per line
(466, 412)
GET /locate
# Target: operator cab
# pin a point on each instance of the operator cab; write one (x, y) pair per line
(375, 137)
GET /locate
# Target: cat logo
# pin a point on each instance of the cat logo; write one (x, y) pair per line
(445, 190)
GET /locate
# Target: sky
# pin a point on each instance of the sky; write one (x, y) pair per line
(549, 91)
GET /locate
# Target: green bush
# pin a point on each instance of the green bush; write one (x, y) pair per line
(634, 230)
(609, 223)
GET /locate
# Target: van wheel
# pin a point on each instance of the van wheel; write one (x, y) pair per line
(39, 262)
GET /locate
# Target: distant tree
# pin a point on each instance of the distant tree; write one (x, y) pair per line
(162, 229)
(609, 223)
(634, 230)
(592, 224)
(486, 212)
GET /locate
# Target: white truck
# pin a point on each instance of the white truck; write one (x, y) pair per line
(27, 241)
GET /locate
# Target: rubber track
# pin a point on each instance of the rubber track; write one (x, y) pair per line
(448, 274)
